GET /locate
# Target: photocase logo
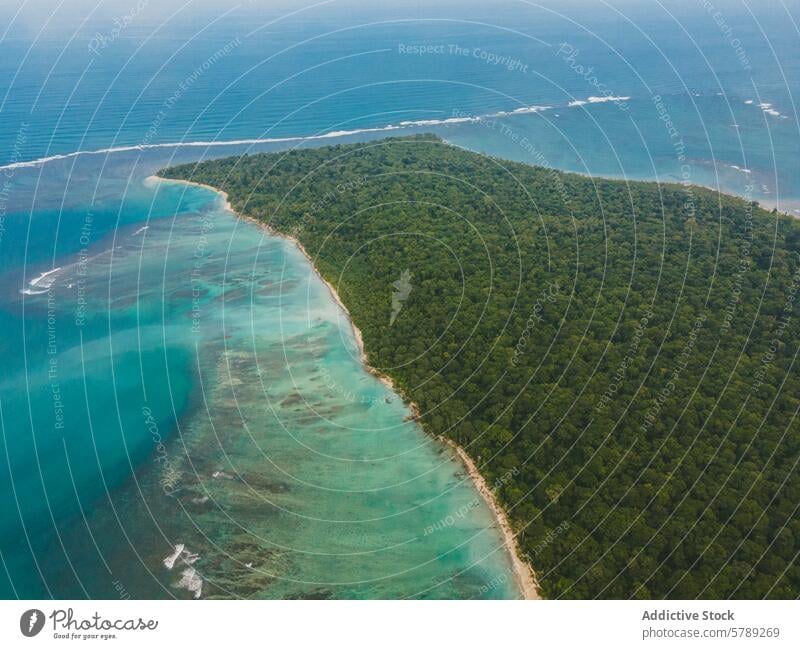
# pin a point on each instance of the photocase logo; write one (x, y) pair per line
(402, 291)
(31, 622)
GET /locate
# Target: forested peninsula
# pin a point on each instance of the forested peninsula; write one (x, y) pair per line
(618, 358)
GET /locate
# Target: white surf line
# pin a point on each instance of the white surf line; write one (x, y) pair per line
(220, 143)
(419, 123)
(34, 283)
(596, 100)
(766, 107)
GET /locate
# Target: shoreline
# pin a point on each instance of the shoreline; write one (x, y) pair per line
(523, 571)
(790, 207)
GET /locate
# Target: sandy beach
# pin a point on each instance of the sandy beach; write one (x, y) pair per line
(523, 572)
(526, 577)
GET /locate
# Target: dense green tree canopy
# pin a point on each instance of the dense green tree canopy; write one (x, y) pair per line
(619, 358)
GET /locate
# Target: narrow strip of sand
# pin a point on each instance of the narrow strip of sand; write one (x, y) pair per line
(526, 577)
(523, 572)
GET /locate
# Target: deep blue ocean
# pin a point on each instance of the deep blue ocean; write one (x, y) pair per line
(112, 400)
(208, 73)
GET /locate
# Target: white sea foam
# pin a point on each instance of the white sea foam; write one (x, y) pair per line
(596, 100)
(419, 123)
(197, 144)
(602, 100)
(44, 282)
(433, 122)
(41, 284)
(190, 578)
(41, 278)
(191, 581)
(222, 143)
(169, 561)
(525, 110)
(767, 108)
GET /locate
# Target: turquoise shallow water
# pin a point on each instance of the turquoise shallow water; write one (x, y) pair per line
(192, 383)
(253, 436)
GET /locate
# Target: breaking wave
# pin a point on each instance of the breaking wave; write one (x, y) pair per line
(419, 123)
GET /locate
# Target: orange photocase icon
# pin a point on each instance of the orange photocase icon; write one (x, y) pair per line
(31, 622)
